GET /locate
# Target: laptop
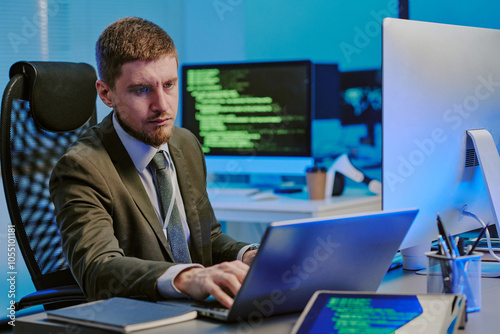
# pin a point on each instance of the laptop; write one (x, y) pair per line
(298, 257)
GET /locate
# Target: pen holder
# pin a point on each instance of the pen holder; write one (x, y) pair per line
(460, 275)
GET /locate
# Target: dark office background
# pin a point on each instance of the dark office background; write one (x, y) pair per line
(347, 33)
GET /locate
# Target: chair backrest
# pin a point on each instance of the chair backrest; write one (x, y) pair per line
(45, 107)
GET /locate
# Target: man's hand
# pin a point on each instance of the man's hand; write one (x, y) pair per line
(248, 257)
(222, 281)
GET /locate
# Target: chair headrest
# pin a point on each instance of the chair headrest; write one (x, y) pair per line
(62, 95)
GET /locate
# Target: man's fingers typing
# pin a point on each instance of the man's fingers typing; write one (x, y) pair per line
(222, 281)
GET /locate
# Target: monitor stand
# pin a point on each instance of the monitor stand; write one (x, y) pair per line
(480, 144)
(414, 258)
(489, 163)
(490, 269)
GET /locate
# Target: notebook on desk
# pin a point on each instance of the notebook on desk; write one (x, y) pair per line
(298, 257)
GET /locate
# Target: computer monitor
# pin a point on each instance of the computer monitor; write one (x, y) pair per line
(361, 101)
(256, 117)
(361, 116)
(439, 82)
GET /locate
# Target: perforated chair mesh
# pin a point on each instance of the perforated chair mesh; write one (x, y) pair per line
(34, 153)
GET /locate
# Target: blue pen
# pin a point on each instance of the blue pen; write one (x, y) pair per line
(444, 247)
(454, 248)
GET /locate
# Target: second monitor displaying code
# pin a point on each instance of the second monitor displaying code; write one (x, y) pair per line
(261, 109)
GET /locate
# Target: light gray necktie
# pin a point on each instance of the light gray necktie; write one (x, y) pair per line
(175, 232)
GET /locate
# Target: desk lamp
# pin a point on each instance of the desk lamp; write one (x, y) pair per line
(344, 166)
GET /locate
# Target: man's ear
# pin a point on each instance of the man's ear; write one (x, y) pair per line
(104, 92)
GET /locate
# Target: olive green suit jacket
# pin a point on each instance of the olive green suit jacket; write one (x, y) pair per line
(110, 232)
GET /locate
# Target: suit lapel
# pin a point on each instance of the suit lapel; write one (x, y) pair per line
(126, 169)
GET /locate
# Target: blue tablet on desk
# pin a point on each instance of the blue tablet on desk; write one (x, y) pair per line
(359, 312)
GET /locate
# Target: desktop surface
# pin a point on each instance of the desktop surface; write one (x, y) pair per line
(395, 281)
(227, 201)
(246, 219)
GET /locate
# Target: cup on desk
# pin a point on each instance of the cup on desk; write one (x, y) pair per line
(316, 182)
(459, 275)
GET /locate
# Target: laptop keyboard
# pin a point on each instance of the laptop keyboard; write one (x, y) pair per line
(211, 305)
(211, 309)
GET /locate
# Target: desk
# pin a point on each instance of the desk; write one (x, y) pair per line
(247, 219)
(485, 321)
(396, 281)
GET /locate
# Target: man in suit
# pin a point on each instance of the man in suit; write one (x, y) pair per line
(109, 210)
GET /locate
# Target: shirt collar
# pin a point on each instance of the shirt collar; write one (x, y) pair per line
(140, 153)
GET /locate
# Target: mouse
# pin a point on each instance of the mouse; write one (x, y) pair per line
(264, 196)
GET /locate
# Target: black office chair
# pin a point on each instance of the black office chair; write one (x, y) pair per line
(45, 107)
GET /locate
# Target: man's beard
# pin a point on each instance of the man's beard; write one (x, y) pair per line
(156, 138)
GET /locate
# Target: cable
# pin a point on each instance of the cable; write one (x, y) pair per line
(488, 238)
